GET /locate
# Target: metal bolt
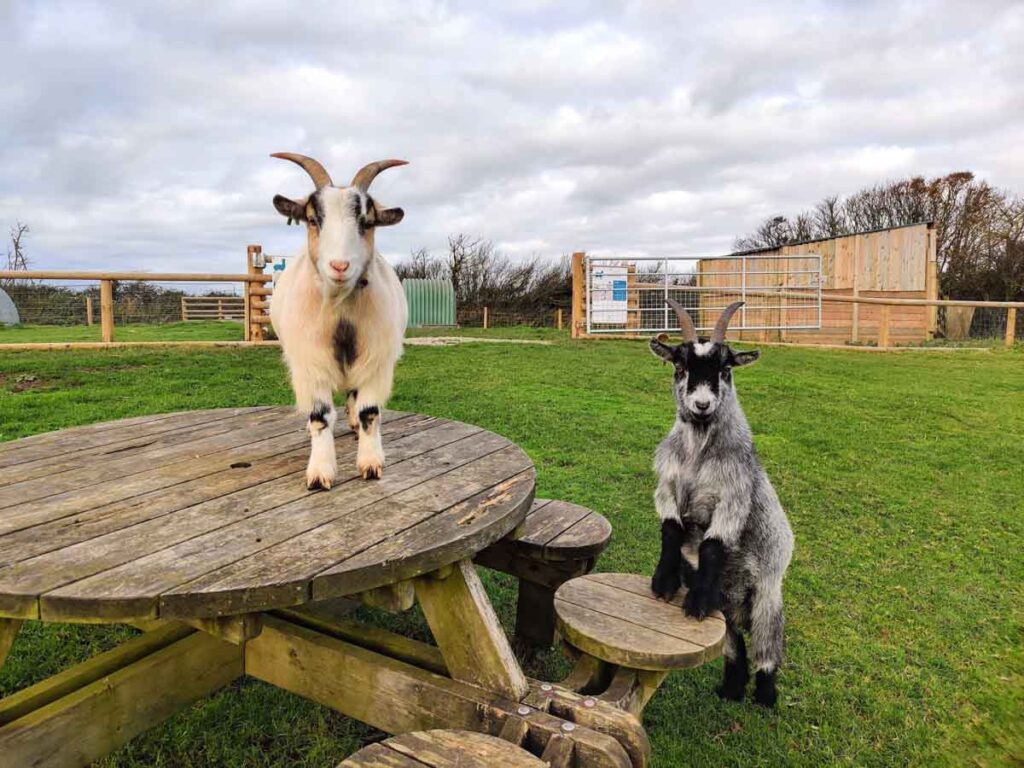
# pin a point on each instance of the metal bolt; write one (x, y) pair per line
(547, 687)
(568, 727)
(589, 702)
(523, 710)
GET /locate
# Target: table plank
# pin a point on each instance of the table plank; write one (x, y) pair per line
(23, 582)
(133, 589)
(66, 531)
(88, 431)
(202, 515)
(226, 433)
(143, 447)
(283, 573)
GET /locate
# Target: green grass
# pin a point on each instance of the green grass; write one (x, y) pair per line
(197, 330)
(902, 476)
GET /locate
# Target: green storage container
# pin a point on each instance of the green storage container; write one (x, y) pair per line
(431, 302)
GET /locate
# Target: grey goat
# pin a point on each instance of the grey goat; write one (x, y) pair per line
(714, 495)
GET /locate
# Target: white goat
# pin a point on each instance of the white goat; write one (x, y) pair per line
(340, 313)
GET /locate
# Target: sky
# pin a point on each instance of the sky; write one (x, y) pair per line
(137, 135)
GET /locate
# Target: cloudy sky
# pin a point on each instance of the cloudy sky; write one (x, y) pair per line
(137, 135)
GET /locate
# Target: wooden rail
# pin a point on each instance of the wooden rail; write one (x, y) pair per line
(253, 312)
(156, 277)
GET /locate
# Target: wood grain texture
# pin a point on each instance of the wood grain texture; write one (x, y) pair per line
(9, 629)
(615, 618)
(468, 632)
(201, 515)
(95, 719)
(444, 749)
(406, 698)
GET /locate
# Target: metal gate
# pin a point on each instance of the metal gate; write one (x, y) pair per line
(627, 296)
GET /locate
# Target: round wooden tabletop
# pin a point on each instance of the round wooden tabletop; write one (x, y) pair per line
(206, 513)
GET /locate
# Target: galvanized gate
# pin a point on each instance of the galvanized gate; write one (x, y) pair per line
(627, 296)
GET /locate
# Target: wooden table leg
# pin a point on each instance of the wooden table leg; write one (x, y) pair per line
(9, 629)
(468, 633)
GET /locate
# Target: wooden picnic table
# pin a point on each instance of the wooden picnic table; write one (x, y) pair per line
(197, 527)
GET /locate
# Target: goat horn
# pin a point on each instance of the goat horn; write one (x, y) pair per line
(316, 172)
(685, 323)
(718, 334)
(368, 173)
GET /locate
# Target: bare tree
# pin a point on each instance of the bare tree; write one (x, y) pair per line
(16, 258)
(977, 227)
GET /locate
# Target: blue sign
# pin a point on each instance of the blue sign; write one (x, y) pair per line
(618, 290)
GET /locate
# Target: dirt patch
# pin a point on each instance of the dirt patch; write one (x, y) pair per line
(23, 382)
(444, 341)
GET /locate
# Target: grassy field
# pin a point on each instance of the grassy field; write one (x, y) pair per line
(901, 475)
(199, 330)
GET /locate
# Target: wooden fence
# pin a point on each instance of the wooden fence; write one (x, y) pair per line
(212, 308)
(255, 302)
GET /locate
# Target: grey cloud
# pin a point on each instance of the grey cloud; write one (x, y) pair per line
(138, 135)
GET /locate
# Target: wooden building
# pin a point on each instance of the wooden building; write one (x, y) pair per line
(887, 263)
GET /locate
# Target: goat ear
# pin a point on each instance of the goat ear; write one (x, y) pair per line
(745, 358)
(388, 216)
(293, 210)
(666, 352)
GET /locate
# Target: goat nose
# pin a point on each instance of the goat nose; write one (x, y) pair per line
(701, 405)
(339, 266)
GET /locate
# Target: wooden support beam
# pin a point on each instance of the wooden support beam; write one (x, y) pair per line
(1011, 326)
(468, 632)
(107, 310)
(404, 697)
(88, 310)
(9, 629)
(93, 720)
(558, 319)
(393, 598)
(883, 327)
(232, 629)
(485, 317)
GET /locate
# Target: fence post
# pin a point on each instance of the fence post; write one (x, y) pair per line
(485, 318)
(1011, 325)
(107, 310)
(184, 310)
(883, 328)
(253, 313)
(558, 319)
(576, 319)
(88, 310)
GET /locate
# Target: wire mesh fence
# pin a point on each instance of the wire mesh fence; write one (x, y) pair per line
(630, 296)
(976, 326)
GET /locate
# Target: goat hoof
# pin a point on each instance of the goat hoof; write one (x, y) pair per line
(372, 471)
(319, 480)
(665, 585)
(765, 692)
(695, 606)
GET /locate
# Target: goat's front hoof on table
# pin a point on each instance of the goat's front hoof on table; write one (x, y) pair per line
(320, 477)
(370, 469)
(665, 583)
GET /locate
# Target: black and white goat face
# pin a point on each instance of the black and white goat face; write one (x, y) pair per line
(340, 222)
(703, 367)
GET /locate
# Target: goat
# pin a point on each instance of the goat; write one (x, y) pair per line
(340, 313)
(713, 494)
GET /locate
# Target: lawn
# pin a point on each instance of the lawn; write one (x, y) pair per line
(902, 476)
(198, 330)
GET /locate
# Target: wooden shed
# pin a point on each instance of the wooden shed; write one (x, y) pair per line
(887, 263)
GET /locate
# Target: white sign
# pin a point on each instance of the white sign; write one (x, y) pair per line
(608, 299)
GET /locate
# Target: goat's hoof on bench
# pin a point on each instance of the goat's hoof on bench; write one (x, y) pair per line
(665, 584)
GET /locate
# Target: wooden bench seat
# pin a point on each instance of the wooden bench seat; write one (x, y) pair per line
(443, 749)
(616, 619)
(558, 541)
